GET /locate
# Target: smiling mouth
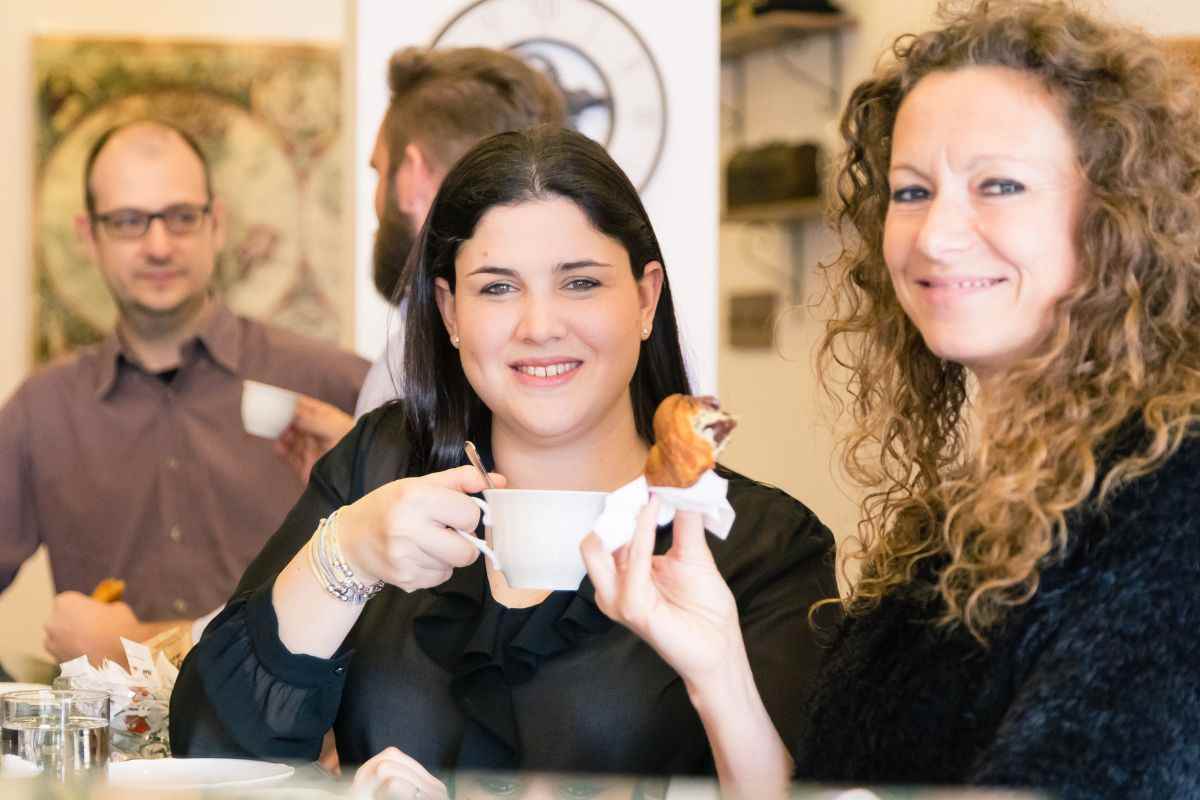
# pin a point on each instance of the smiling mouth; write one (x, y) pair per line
(971, 283)
(548, 370)
(158, 276)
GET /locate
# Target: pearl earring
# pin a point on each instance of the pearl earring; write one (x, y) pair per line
(646, 332)
(454, 340)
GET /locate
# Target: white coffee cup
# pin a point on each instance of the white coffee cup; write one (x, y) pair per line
(535, 535)
(266, 409)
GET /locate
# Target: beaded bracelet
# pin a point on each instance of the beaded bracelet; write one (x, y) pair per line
(331, 569)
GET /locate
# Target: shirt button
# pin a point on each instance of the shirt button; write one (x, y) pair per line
(180, 605)
(172, 463)
(176, 534)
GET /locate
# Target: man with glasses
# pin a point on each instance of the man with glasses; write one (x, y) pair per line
(128, 459)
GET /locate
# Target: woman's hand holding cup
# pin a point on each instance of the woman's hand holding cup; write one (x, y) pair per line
(403, 533)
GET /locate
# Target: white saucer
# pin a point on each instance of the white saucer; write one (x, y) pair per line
(195, 773)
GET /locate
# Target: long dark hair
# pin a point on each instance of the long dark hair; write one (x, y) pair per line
(441, 408)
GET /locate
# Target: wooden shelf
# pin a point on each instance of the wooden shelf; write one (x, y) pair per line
(768, 30)
(791, 211)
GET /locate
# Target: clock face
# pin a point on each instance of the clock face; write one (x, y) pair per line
(612, 85)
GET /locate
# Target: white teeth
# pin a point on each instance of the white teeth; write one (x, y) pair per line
(550, 371)
(974, 284)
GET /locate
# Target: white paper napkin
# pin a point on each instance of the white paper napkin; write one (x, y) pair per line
(616, 523)
(140, 699)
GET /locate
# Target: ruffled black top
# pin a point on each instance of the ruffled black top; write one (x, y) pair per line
(458, 681)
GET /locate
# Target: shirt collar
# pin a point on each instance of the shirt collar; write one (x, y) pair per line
(220, 334)
(222, 337)
(111, 349)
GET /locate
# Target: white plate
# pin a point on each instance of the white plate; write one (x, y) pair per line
(195, 773)
(5, 688)
(12, 766)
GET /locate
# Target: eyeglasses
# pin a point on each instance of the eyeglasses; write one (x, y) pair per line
(131, 223)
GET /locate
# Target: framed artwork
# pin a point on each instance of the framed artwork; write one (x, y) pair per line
(269, 119)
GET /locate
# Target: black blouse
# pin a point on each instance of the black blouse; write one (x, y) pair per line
(458, 681)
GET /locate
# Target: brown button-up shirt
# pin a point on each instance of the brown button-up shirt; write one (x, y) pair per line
(122, 474)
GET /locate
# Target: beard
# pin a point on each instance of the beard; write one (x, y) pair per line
(394, 240)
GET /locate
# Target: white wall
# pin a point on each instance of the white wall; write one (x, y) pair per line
(25, 605)
(1159, 18)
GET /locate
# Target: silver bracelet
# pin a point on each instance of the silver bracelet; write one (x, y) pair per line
(331, 569)
(320, 569)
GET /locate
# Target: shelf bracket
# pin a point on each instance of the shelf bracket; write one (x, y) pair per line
(834, 88)
(740, 100)
(795, 234)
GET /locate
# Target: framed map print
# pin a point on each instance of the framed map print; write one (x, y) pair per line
(269, 119)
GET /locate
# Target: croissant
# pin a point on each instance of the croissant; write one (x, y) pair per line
(689, 434)
(109, 590)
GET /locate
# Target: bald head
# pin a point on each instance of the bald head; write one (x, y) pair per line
(146, 141)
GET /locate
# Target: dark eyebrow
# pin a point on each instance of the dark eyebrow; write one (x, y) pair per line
(582, 263)
(488, 269)
(900, 165)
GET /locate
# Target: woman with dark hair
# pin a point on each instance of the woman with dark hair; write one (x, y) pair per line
(1021, 195)
(540, 327)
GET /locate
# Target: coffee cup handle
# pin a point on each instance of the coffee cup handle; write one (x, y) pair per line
(478, 543)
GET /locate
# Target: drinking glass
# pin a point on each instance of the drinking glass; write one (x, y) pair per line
(62, 734)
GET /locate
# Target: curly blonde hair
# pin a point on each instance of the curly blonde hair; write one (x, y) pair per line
(1124, 344)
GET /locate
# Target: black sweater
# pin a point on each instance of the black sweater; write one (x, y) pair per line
(1091, 689)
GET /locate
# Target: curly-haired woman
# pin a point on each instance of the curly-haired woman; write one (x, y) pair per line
(1021, 190)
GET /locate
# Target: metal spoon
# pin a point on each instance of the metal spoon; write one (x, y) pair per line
(473, 457)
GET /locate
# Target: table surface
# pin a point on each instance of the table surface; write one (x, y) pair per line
(310, 782)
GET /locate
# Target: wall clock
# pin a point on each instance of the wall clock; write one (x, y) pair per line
(605, 69)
